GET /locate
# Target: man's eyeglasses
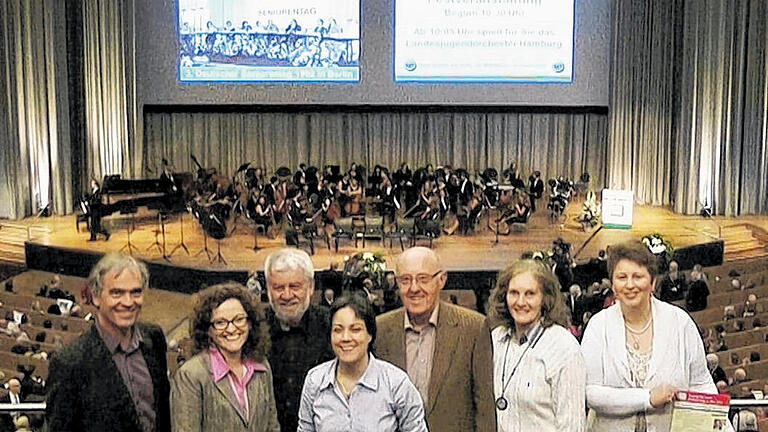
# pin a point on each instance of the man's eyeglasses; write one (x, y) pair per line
(240, 321)
(422, 278)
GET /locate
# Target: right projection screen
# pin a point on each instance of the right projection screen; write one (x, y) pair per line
(517, 41)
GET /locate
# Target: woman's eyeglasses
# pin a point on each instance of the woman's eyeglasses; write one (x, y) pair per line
(240, 321)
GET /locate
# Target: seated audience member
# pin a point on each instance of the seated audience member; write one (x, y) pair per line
(85, 294)
(328, 298)
(739, 376)
(253, 285)
(594, 289)
(698, 291)
(76, 311)
(722, 387)
(750, 306)
(227, 385)
(21, 424)
(746, 421)
(699, 270)
(713, 364)
(13, 397)
(357, 391)
(630, 385)
(673, 285)
(604, 297)
(5, 327)
(576, 304)
(736, 284)
(532, 340)
(729, 313)
(735, 359)
(737, 326)
(754, 357)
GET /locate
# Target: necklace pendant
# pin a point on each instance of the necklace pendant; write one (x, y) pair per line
(501, 403)
(636, 345)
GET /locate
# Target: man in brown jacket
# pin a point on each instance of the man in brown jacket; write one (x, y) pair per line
(445, 349)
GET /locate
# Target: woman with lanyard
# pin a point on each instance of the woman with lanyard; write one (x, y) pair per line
(640, 350)
(538, 371)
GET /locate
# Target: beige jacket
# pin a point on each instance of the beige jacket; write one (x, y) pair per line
(461, 380)
(199, 404)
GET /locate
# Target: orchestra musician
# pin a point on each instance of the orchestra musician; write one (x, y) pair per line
(263, 213)
(354, 194)
(535, 188)
(517, 214)
(390, 202)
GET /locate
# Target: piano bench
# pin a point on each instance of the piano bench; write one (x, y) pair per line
(82, 217)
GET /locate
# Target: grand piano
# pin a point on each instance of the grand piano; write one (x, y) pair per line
(125, 195)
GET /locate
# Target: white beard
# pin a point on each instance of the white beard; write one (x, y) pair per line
(290, 319)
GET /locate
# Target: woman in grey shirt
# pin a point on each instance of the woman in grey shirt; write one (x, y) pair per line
(356, 391)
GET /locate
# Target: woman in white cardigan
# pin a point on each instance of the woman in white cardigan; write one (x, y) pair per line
(639, 351)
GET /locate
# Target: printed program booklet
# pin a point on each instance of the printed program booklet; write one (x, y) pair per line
(699, 412)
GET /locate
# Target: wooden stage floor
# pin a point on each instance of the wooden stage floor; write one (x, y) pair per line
(473, 252)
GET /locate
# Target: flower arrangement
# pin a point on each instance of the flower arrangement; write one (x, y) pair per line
(659, 246)
(362, 266)
(590, 211)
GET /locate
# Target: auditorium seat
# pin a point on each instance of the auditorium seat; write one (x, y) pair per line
(9, 360)
(37, 318)
(712, 315)
(749, 337)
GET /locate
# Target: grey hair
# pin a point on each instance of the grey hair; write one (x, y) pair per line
(290, 259)
(119, 263)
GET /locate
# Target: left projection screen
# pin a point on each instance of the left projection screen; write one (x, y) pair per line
(269, 40)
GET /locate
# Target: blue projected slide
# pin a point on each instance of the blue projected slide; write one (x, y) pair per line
(269, 40)
(521, 41)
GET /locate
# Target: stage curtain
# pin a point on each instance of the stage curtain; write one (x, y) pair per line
(642, 99)
(35, 151)
(688, 104)
(722, 136)
(109, 98)
(555, 144)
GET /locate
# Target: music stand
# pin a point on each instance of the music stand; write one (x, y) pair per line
(205, 245)
(237, 214)
(181, 243)
(157, 244)
(255, 236)
(129, 228)
(162, 215)
(219, 258)
(499, 215)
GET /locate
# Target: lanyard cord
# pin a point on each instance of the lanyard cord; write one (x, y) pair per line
(531, 344)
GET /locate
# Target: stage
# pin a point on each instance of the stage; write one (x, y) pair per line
(475, 252)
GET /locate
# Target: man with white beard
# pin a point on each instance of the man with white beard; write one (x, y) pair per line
(299, 331)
